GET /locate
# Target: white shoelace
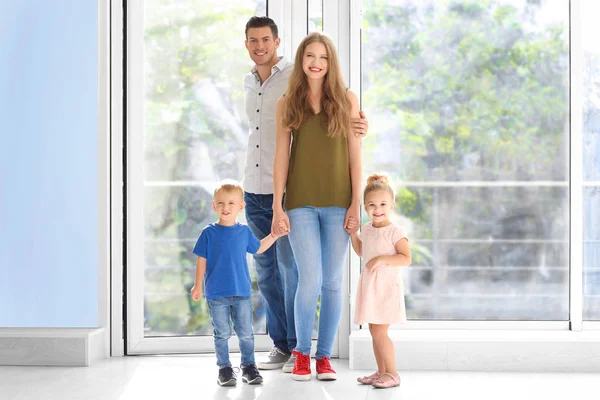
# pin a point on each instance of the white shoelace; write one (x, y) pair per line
(274, 352)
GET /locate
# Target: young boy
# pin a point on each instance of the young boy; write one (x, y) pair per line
(221, 251)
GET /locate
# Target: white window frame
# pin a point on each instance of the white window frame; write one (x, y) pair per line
(576, 168)
(116, 118)
(512, 345)
(137, 343)
(577, 154)
(292, 31)
(576, 192)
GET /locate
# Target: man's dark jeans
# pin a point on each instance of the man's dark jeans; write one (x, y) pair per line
(277, 273)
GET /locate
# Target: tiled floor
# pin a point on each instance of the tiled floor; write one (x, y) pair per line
(194, 377)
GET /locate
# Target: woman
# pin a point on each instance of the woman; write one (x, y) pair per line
(321, 177)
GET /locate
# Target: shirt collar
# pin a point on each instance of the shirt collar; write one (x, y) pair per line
(279, 66)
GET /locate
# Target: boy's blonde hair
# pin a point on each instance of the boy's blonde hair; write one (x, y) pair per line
(377, 182)
(229, 186)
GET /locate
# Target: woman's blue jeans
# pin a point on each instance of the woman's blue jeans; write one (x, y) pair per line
(320, 246)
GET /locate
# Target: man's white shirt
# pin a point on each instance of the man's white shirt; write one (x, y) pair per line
(261, 101)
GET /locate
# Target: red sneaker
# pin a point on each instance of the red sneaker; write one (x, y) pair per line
(301, 371)
(324, 370)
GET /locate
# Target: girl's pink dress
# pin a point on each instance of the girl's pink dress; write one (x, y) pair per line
(380, 294)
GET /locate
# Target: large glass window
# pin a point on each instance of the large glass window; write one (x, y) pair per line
(195, 133)
(468, 109)
(591, 160)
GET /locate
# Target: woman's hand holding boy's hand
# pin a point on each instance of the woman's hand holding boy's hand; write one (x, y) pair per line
(281, 223)
(196, 293)
(282, 228)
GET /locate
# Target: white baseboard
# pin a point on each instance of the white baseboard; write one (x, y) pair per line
(51, 346)
(455, 350)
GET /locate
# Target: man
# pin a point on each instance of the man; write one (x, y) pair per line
(276, 268)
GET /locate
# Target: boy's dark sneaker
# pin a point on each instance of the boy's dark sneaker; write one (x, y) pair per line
(250, 375)
(227, 377)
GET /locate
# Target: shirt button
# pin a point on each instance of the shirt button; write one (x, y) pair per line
(260, 94)
(257, 128)
(257, 165)
(257, 146)
(257, 110)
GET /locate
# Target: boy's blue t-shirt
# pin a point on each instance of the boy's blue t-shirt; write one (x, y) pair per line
(225, 248)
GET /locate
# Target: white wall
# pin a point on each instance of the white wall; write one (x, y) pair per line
(48, 163)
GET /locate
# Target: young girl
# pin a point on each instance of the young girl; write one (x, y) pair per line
(380, 297)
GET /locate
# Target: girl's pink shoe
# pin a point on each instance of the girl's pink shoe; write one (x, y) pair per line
(395, 381)
(366, 380)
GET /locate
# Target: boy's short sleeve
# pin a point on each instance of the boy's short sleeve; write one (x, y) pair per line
(201, 247)
(399, 233)
(253, 242)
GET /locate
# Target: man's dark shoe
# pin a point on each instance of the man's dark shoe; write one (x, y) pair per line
(227, 377)
(250, 375)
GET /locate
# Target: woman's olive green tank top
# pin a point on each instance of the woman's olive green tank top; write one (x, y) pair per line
(319, 169)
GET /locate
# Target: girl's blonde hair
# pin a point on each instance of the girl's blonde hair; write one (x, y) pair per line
(334, 103)
(376, 182)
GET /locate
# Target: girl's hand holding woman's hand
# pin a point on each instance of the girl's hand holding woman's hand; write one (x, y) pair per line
(281, 223)
(351, 224)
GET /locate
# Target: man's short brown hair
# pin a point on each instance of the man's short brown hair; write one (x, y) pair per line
(261, 22)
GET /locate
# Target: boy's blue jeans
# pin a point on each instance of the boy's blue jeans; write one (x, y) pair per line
(320, 244)
(222, 311)
(277, 273)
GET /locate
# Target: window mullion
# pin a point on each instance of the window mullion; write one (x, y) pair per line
(576, 167)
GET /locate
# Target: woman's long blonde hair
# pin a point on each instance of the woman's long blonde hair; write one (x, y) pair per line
(334, 103)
